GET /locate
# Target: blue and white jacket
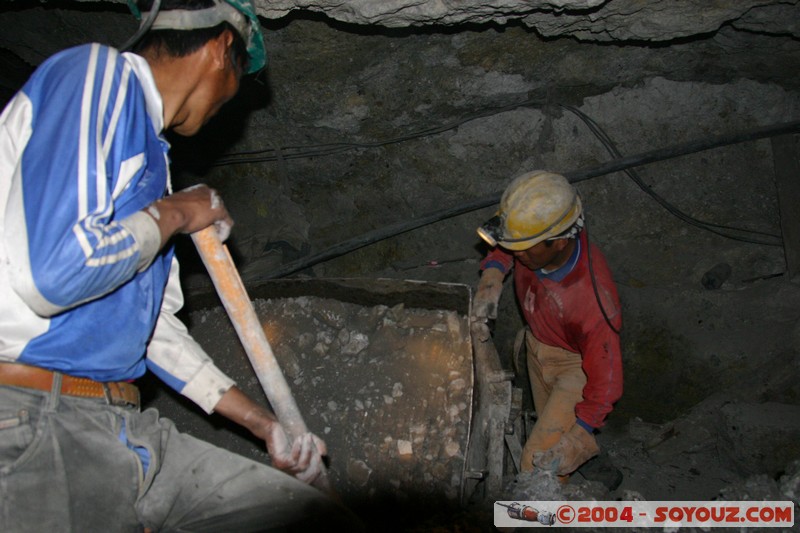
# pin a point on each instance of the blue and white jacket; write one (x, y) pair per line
(84, 288)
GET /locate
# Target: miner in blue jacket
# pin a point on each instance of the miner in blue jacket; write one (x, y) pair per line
(89, 289)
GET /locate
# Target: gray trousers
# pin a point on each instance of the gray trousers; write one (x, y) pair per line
(64, 468)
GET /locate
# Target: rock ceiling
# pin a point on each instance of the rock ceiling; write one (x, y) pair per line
(595, 20)
(33, 30)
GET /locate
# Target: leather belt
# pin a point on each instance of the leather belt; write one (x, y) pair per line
(117, 393)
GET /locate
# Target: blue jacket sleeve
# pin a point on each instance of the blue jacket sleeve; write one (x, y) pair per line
(80, 176)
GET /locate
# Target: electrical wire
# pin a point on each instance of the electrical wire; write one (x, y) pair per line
(634, 176)
(320, 150)
(143, 28)
(609, 167)
(590, 266)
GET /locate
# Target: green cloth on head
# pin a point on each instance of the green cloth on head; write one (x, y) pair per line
(255, 44)
(184, 20)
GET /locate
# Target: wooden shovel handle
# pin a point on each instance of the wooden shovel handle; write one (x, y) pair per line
(240, 309)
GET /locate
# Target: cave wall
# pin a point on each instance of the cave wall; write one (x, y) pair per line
(376, 113)
(434, 119)
(476, 108)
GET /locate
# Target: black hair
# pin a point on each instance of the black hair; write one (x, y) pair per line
(180, 43)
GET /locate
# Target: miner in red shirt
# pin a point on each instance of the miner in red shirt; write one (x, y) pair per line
(570, 303)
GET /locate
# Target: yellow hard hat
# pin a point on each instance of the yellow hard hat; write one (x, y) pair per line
(536, 206)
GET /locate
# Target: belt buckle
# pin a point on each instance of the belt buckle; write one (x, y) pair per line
(118, 400)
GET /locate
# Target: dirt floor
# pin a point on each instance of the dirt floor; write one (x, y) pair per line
(389, 388)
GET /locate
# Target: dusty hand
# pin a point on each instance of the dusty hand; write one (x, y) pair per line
(191, 210)
(484, 304)
(575, 447)
(303, 459)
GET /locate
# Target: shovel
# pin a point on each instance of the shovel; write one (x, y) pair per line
(240, 310)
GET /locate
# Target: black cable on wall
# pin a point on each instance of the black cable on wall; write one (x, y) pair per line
(615, 165)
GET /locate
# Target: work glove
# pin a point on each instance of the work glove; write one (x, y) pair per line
(575, 447)
(484, 304)
(303, 459)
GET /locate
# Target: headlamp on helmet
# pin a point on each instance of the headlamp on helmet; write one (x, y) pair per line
(490, 231)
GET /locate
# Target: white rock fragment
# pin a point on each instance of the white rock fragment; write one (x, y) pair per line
(458, 384)
(356, 343)
(454, 324)
(321, 349)
(330, 317)
(397, 390)
(451, 448)
(404, 447)
(324, 336)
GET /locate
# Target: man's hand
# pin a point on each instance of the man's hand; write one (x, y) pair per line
(191, 210)
(302, 458)
(575, 447)
(484, 304)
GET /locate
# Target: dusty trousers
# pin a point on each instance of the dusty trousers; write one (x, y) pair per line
(557, 382)
(69, 464)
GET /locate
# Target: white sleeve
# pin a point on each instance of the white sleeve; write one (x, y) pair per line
(175, 357)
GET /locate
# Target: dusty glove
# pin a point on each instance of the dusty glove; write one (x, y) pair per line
(575, 447)
(487, 296)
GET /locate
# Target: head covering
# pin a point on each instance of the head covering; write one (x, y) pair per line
(537, 206)
(238, 13)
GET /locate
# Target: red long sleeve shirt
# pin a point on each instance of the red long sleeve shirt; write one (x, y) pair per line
(566, 314)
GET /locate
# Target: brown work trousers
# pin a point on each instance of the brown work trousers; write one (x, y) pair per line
(557, 382)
